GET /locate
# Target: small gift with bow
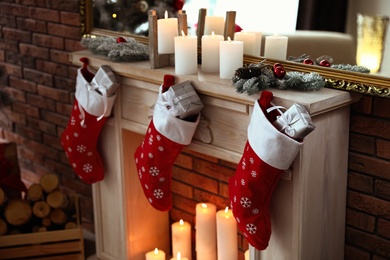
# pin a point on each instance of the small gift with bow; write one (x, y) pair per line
(106, 78)
(295, 121)
(182, 100)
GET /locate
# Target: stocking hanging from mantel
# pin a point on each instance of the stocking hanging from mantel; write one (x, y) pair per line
(176, 116)
(94, 99)
(267, 153)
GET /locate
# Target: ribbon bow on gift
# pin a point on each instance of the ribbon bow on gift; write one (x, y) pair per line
(171, 100)
(287, 120)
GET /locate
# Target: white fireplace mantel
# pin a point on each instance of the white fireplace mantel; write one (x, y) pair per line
(308, 206)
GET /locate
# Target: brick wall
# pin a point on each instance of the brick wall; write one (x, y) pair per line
(36, 37)
(368, 198)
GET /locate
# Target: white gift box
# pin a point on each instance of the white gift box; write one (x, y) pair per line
(295, 122)
(106, 77)
(183, 101)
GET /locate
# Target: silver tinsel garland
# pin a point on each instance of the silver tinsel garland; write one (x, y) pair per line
(123, 51)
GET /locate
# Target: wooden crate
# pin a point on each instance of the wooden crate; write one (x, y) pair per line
(51, 245)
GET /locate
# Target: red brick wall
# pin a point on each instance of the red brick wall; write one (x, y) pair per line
(368, 198)
(35, 38)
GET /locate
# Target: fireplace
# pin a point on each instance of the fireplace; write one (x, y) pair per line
(308, 206)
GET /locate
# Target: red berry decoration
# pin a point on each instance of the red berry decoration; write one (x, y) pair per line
(279, 72)
(277, 65)
(120, 39)
(325, 63)
(308, 62)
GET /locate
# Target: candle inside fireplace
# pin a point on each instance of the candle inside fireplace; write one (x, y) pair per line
(206, 233)
(226, 235)
(167, 29)
(156, 254)
(181, 239)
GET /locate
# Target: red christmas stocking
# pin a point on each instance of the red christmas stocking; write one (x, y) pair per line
(266, 154)
(154, 158)
(90, 111)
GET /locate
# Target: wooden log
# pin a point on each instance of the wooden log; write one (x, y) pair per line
(41, 209)
(35, 192)
(50, 182)
(3, 197)
(58, 216)
(3, 227)
(57, 200)
(70, 225)
(46, 222)
(17, 212)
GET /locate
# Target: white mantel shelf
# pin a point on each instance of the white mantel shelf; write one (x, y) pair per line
(308, 208)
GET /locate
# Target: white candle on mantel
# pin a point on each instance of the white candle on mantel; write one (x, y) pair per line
(167, 29)
(179, 257)
(249, 40)
(214, 24)
(206, 231)
(181, 239)
(186, 55)
(155, 255)
(210, 52)
(231, 57)
(258, 38)
(226, 235)
(276, 47)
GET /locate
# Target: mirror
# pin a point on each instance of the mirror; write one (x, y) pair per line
(368, 84)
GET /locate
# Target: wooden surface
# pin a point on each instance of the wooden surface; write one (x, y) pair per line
(308, 213)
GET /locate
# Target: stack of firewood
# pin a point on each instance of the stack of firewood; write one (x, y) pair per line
(44, 207)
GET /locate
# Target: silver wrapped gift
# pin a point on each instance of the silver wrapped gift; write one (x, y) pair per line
(295, 122)
(183, 101)
(106, 78)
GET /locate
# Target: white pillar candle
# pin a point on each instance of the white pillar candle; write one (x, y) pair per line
(231, 57)
(167, 29)
(155, 255)
(210, 52)
(186, 55)
(179, 257)
(275, 47)
(206, 233)
(214, 24)
(258, 38)
(249, 40)
(226, 235)
(181, 239)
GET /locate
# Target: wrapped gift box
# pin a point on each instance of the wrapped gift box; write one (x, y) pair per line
(295, 122)
(106, 77)
(184, 100)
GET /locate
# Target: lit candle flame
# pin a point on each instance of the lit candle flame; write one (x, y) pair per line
(166, 14)
(226, 209)
(229, 39)
(181, 222)
(204, 205)
(178, 257)
(212, 33)
(182, 33)
(156, 251)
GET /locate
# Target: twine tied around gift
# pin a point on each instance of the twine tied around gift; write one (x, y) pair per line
(171, 100)
(286, 119)
(95, 86)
